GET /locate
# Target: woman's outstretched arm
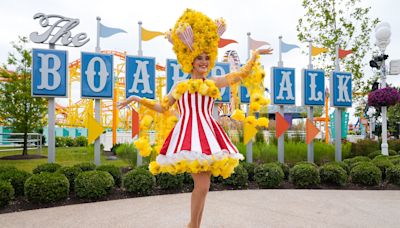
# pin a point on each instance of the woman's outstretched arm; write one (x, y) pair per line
(234, 77)
(149, 103)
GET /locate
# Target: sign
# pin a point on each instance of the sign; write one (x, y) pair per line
(49, 73)
(244, 95)
(174, 73)
(341, 87)
(96, 75)
(219, 70)
(283, 86)
(59, 28)
(313, 87)
(140, 76)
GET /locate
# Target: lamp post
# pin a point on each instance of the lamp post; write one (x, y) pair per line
(382, 35)
(371, 111)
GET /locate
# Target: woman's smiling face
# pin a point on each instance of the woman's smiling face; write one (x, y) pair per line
(201, 64)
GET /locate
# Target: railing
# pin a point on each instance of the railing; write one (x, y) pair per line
(15, 141)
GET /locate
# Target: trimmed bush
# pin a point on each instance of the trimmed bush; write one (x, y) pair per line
(285, 169)
(250, 169)
(393, 174)
(47, 167)
(374, 154)
(60, 141)
(333, 174)
(17, 179)
(304, 175)
(86, 166)
(383, 163)
(114, 171)
(6, 168)
(366, 173)
(71, 173)
(6, 193)
(139, 181)
(351, 162)
(187, 179)
(93, 184)
(81, 141)
(392, 152)
(269, 175)
(238, 179)
(395, 159)
(46, 187)
(167, 181)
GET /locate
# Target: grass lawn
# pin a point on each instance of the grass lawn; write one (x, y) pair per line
(65, 156)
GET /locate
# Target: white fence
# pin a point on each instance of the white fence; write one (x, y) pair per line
(15, 141)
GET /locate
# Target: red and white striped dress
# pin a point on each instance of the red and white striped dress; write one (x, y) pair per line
(196, 136)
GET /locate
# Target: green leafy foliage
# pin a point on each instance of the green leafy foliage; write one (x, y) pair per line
(46, 187)
(6, 193)
(333, 174)
(167, 181)
(268, 175)
(47, 167)
(71, 173)
(93, 184)
(393, 174)
(238, 179)
(128, 153)
(19, 110)
(366, 173)
(86, 166)
(114, 171)
(139, 181)
(304, 175)
(16, 178)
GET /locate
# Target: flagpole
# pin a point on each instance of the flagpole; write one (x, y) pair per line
(281, 147)
(140, 53)
(97, 105)
(98, 34)
(310, 111)
(249, 145)
(338, 119)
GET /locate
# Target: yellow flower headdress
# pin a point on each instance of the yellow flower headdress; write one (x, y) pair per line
(193, 34)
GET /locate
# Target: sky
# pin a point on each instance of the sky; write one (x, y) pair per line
(265, 19)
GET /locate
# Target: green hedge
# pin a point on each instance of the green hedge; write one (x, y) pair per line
(6, 193)
(250, 169)
(333, 174)
(114, 171)
(139, 181)
(366, 173)
(393, 174)
(93, 184)
(167, 181)
(46, 187)
(16, 178)
(238, 179)
(86, 166)
(269, 175)
(304, 175)
(47, 167)
(71, 173)
(383, 163)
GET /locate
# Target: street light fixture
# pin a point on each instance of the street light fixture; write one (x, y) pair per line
(382, 35)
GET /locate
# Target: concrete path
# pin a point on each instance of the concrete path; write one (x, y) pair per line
(248, 208)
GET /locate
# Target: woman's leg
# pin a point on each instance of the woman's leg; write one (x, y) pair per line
(201, 187)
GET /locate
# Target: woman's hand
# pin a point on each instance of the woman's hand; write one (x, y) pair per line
(127, 101)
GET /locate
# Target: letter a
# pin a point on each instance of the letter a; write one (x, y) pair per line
(141, 70)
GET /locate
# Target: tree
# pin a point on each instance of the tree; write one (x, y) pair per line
(328, 21)
(19, 110)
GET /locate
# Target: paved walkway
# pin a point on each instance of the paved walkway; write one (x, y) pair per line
(248, 208)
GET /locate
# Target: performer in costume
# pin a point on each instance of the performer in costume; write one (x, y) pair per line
(197, 144)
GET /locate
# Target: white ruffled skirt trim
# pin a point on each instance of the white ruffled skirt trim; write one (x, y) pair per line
(190, 156)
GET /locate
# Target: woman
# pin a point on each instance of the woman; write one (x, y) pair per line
(197, 144)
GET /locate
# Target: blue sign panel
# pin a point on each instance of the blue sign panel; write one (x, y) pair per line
(283, 86)
(244, 95)
(218, 70)
(313, 87)
(96, 75)
(340, 87)
(174, 73)
(49, 73)
(140, 76)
